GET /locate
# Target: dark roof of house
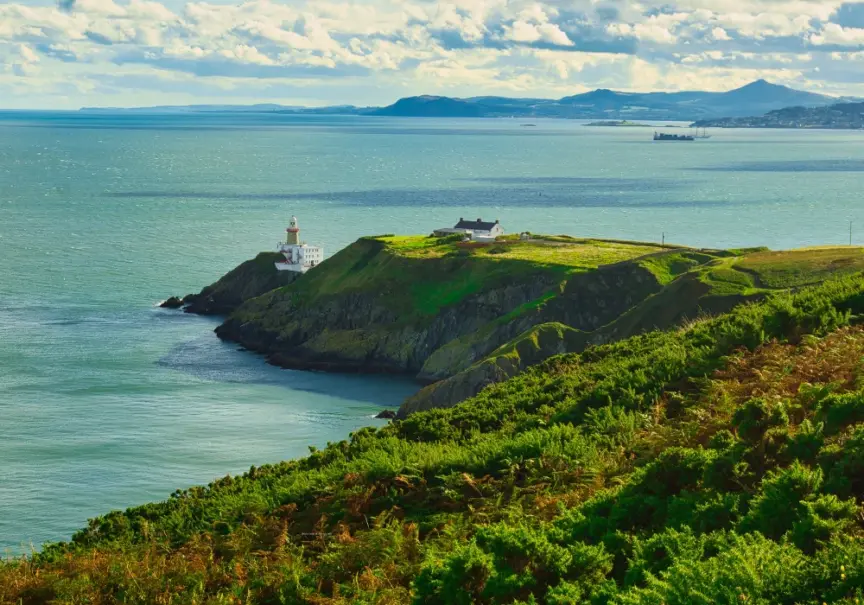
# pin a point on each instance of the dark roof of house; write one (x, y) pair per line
(478, 225)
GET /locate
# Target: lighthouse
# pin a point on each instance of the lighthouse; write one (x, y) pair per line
(293, 231)
(299, 256)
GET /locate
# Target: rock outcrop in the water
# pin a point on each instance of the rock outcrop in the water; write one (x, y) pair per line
(246, 281)
(172, 303)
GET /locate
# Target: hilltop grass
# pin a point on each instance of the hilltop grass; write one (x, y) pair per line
(716, 464)
(725, 280)
(392, 269)
(575, 254)
(796, 268)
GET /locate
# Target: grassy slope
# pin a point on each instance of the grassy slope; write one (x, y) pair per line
(695, 283)
(721, 463)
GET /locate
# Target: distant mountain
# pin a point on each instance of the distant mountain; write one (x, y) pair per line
(757, 97)
(753, 99)
(262, 107)
(838, 116)
(259, 108)
(428, 106)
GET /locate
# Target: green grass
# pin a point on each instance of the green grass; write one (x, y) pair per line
(796, 268)
(420, 275)
(565, 252)
(725, 280)
(668, 266)
(527, 307)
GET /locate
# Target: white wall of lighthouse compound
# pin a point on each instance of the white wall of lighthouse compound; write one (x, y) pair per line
(299, 257)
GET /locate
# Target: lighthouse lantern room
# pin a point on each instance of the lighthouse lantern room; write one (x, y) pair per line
(299, 256)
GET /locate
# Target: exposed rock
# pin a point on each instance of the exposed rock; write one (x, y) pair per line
(537, 344)
(172, 303)
(250, 279)
(386, 414)
(587, 302)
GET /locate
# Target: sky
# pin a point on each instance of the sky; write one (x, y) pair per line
(122, 53)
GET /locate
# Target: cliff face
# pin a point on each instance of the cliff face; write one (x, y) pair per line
(368, 309)
(586, 302)
(601, 307)
(248, 280)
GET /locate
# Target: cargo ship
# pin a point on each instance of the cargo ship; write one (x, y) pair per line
(662, 136)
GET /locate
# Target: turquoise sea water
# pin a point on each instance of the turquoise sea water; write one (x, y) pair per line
(107, 401)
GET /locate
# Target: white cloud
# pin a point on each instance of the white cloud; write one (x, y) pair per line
(833, 34)
(403, 46)
(719, 34)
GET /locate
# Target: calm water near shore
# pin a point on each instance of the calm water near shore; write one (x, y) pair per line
(107, 401)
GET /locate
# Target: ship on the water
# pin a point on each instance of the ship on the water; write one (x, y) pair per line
(662, 136)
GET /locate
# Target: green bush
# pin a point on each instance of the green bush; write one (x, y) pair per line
(840, 410)
(780, 504)
(755, 417)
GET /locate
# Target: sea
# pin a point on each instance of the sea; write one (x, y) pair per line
(107, 401)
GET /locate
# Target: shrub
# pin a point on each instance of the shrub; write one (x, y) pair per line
(845, 466)
(822, 518)
(756, 416)
(781, 502)
(840, 410)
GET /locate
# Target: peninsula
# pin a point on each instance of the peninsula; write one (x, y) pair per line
(837, 116)
(618, 124)
(460, 315)
(719, 460)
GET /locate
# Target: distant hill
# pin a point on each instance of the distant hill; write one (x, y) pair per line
(263, 107)
(838, 116)
(753, 99)
(757, 97)
(258, 108)
(432, 107)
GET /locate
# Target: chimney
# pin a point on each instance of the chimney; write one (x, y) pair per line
(461, 219)
(479, 220)
(497, 221)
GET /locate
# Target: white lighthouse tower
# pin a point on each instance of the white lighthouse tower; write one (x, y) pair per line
(299, 256)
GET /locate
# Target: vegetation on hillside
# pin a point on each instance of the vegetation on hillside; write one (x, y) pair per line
(718, 463)
(687, 284)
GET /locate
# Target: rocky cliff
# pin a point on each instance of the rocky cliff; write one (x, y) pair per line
(248, 280)
(371, 309)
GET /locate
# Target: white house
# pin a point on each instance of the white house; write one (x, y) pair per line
(478, 231)
(299, 256)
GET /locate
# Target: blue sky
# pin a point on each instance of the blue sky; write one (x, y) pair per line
(316, 52)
